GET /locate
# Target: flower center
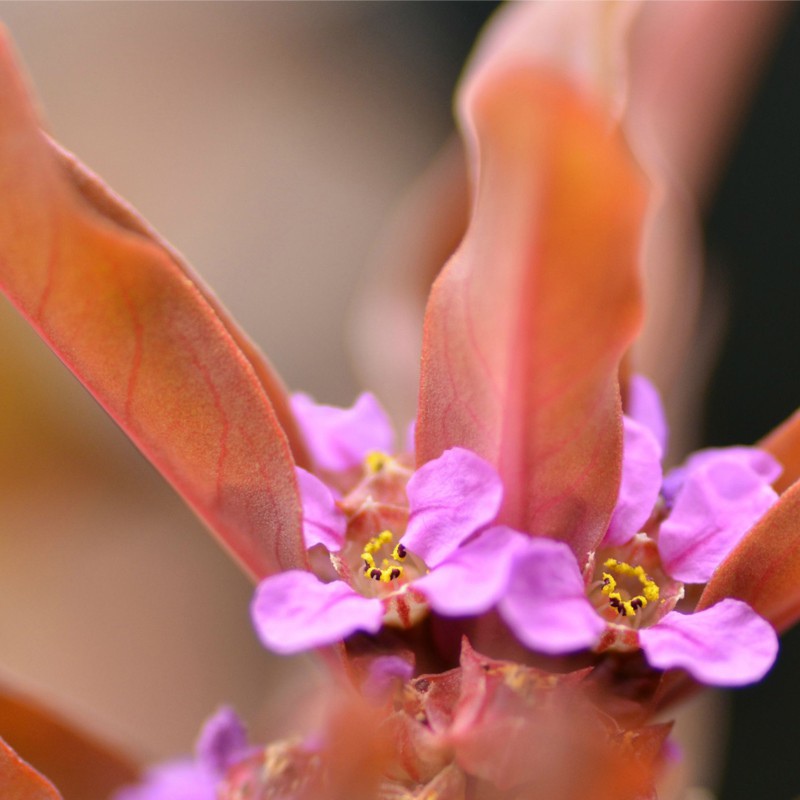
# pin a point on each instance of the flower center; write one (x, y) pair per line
(390, 568)
(610, 588)
(376, 461)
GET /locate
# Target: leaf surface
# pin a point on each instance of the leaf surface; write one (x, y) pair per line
(19, 781)
(147, 339)
(528, 322)
(81, 766)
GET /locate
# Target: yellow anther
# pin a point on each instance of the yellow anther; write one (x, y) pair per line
(628, 608)
(388, 571)
(609, 584)
(385, 537)
(375, 544)
(376, 461)
(399, 553)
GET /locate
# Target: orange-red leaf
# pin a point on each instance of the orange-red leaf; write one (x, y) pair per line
(19, 781)
(764, 569)
(784, 444)
(81, 767)
(146, 338)
(527, 324)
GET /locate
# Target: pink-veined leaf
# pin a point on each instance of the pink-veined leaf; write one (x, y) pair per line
(764, 569)
(146, 339)
(528, 322)
(81, 766)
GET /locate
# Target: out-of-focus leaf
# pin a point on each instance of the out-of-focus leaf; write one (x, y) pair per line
(19, 781)
(81, 767)
(146, 339)
(764, 569)
(385, 329)
(784, 444)
(527, 324)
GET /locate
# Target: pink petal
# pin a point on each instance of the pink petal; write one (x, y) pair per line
(175, 780)
(323, 522)
(222, 741)
(295, 611)
(641, 483)
(764, 568)
(717, 504)
(450, 498)
(546, 604)
(340, 438)
(725, 645)
(643, 404)
(475, 576)
(385, 673)
(760, 462)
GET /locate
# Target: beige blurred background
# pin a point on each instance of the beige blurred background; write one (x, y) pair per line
(268, 142)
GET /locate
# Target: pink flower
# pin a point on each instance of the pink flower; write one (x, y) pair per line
(626, 596)
(430, 527)
(400, 542)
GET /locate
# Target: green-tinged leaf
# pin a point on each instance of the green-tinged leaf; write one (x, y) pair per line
(764, 569)
(19, 781)
(527, 324)
(81, 767)
(147, 340)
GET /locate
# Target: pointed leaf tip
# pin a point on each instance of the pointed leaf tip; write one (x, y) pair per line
(146, 338)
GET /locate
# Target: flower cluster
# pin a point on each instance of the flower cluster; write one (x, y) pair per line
(525, 514)
(402, 542)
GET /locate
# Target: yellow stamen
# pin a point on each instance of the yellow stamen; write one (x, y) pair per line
(628, 608)
(388, 571)
(376, 461)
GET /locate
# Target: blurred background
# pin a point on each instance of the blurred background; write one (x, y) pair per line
(270, 143)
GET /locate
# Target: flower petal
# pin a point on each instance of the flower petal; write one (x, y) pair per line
(182, 779)
(546, 604)
(295, 611)
(222, 741)
(764, 569)
(762, 463)
(323, 522)
(450, 498)
(475, 576)
(725, 645)
(643, 404)
(340, 438)
(383, 674)
(717, 504)
(641, 483)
